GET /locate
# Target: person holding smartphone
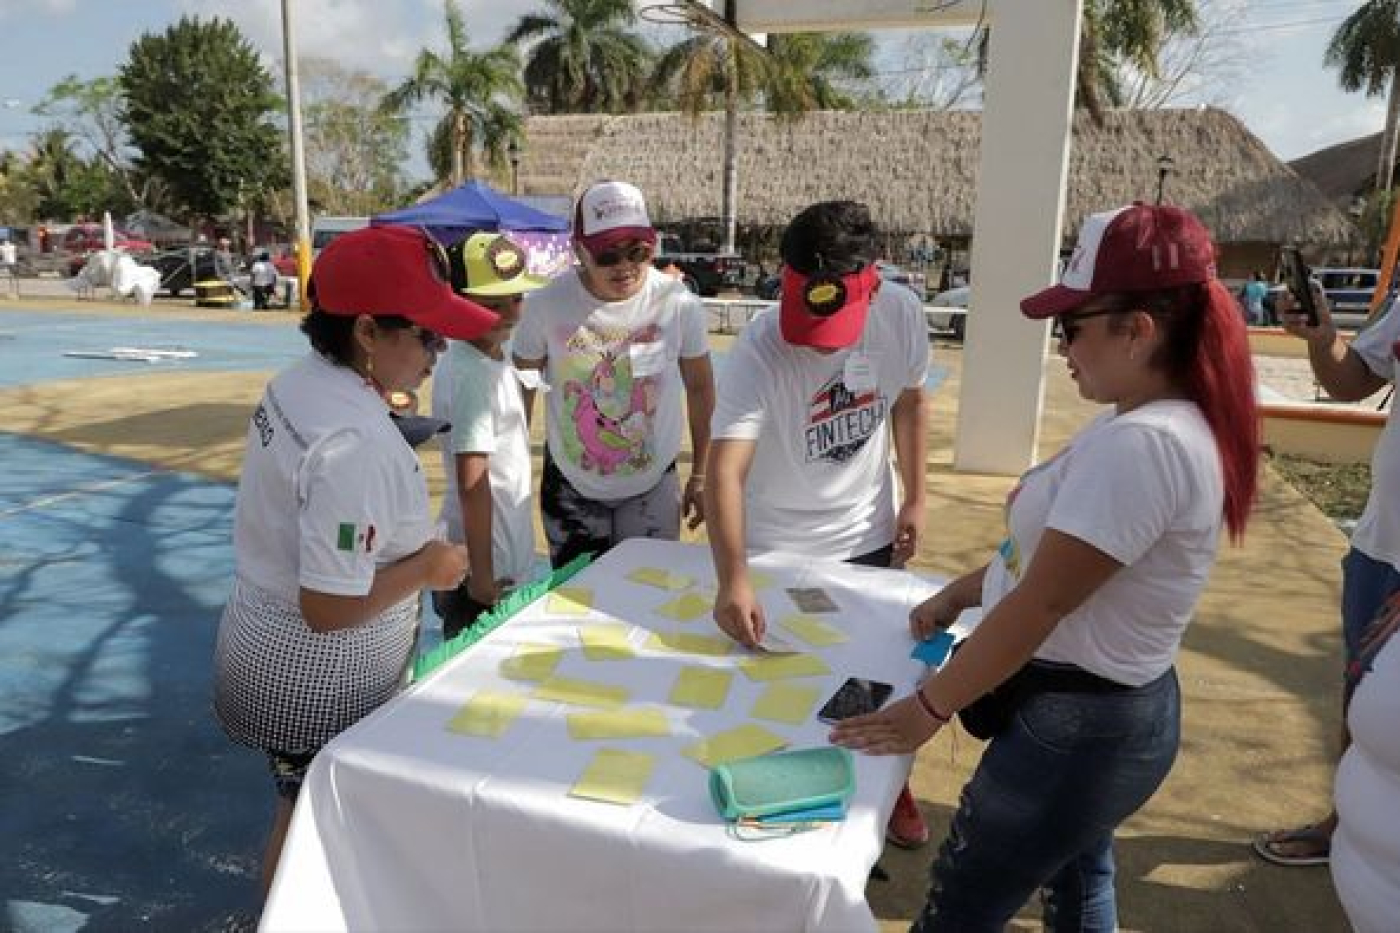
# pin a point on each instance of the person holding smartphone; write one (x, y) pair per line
(1351, 370)
(1108, 547)
(617, 343)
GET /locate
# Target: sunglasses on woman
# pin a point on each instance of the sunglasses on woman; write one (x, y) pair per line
(431, 340)
(1070, 326)
(636, 253)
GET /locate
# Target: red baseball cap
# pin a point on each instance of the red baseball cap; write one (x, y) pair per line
(609, 213)
(825, 310)
(395, 270)
(1136, 248)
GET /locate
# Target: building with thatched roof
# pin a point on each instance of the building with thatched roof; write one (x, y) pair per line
(918, 171)
(1344, 171)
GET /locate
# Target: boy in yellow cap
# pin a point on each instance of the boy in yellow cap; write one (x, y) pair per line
(486, 455)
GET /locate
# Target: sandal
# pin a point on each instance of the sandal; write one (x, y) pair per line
(1306, 845)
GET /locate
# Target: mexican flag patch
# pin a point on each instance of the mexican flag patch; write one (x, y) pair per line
(351, 537)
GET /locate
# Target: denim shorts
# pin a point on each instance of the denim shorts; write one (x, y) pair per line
(1366, 584)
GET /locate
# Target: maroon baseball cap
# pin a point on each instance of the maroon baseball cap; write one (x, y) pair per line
(1136, 248)
(609, 213)
(825, 310)
(395, 270)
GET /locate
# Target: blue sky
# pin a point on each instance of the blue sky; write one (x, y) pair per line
(1277, 86)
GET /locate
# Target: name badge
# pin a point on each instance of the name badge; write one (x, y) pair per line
(859, 374)
(648, 359)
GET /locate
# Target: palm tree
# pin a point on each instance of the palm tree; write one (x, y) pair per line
(797, 73)
(476, 88)
(807, 68)
(586, 59)
(1366, 51)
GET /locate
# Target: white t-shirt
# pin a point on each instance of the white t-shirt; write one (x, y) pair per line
(1146, 489)
(330, 490)
(821, 482)
(1377, 534)
(615, 406)
(1366, 845)
(481, 397)
(263, 273)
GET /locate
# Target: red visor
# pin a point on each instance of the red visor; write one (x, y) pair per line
(825, 310)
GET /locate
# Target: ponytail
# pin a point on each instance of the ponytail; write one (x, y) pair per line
(1219, 378)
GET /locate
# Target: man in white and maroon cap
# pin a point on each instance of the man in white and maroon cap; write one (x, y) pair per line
(616, 341)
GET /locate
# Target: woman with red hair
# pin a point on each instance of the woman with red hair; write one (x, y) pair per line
(1109, 545)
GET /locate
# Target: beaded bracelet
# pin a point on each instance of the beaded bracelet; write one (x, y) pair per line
(930, 709)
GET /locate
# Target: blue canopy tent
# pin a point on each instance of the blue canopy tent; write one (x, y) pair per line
(457, 214)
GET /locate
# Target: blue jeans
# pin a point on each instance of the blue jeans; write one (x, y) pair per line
(1366, 585)
(1040, 810)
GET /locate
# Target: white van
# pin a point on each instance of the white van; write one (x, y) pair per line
(325, 229)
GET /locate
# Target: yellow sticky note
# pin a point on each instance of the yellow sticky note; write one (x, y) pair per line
(784, 702)
(687, 607)
(662, 579)
(701, 687)
(732, 744)
(531, 661)
(615, 776)
(690, 643)
(487, 714)
(581, 692)
(816, 632)
(783, 666)
(569, 601)
(606, 641)
(627, 722)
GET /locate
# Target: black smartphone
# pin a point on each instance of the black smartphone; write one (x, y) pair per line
(1298, 277)
(856, 697)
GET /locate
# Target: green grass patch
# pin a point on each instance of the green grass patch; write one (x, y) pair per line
(1338, 489)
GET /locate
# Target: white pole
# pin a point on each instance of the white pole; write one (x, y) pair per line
(303, 233)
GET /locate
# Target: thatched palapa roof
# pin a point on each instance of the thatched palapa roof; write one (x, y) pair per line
(918, 169)
(1344, 170)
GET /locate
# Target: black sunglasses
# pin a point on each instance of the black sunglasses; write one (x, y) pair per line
(637, 253)
(1069, 325)
(431, 340)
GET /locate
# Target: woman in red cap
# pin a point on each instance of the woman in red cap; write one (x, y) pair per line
(333, 537)
(1109, 544)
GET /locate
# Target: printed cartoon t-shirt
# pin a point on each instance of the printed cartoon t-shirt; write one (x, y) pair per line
(614, 407)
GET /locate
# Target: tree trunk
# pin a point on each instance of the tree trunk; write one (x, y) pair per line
(729, 208)
(1385, 167)
(459, 145)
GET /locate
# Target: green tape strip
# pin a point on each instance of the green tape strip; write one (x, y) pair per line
(430, 661)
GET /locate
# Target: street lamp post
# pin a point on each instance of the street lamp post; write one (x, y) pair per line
(303, 216)
(513, 154)
(1165, 164)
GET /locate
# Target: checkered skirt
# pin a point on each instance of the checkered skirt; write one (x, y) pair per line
(279, 686)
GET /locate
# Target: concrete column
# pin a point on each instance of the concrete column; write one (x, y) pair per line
(1026, 123)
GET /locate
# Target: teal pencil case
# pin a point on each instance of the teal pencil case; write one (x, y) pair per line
(803, 784)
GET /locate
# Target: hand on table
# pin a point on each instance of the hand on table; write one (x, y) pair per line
(933, 615)
(740, 615)
(898, 729)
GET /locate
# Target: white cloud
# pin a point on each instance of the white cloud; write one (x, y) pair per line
(44, 7)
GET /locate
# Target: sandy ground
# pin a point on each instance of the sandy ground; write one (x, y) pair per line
(1259, 668)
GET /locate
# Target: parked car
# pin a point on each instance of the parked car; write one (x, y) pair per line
(1348, 291)
(703, 272)
(948, 311)
(82, 240)
(181, 268)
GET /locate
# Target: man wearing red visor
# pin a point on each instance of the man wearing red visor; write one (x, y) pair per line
(809, 403)
(616, 342)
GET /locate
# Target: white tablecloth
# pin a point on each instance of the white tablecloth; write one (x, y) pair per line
(403, 825)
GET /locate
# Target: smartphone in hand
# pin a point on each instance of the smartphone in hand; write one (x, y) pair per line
(856, 697)
(1298, 277)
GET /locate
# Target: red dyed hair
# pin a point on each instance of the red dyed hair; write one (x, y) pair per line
(1206, 350)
